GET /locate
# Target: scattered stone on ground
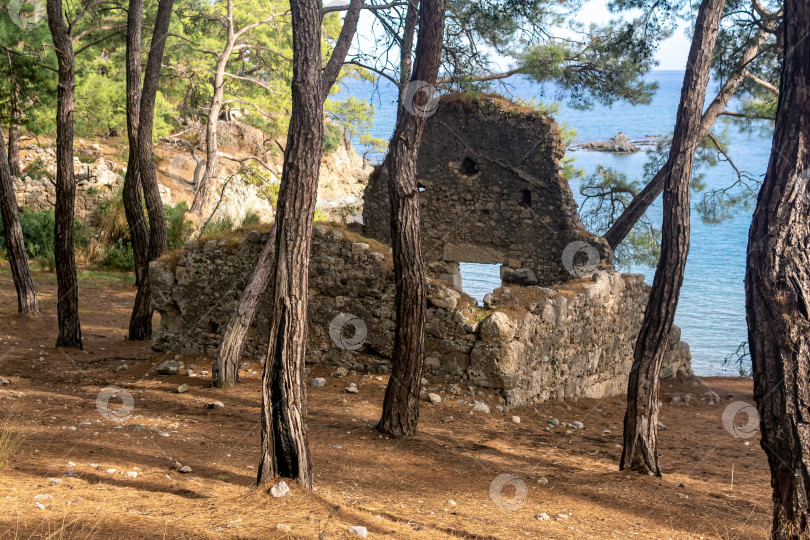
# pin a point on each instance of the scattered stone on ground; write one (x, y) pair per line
(318, 382)
(435, 398)
(216, 405)
(352, 389)
(480, 406)
(185, 469)
(169, 367)
(359, 531)
(182, 389)
(340, 372)
(516, 419)
(280, 489)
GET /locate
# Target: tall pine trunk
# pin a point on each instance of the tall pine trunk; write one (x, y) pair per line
(400, 412)
(15, 244)
(641, 202)
(140, 324)
(225, 368)
(133, 201)
(777, 288)
(67, 306)
(640, 451)
(284, 438)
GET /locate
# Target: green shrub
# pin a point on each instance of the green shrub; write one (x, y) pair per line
(218, 226)
(37, 227)
(332, 135)
(118, 257)
(180, 229)
(251, 219)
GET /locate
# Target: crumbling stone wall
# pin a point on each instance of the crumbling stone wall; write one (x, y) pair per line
(533, 343)
(95, 182)
(491, 191)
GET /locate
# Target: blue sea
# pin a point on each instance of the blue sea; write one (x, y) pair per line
(711, 312)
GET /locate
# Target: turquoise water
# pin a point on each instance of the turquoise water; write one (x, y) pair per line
(711, 311)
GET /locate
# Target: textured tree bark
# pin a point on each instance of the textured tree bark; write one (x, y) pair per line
(140, 324)
(67, 305)
(133, 201)
(405, 53)
(640, 451)
(15, 244)
(777, 288)
(640, 203)
(400, 414)
(284, 437)
(344, 42)
(225, 368)
(14, 125)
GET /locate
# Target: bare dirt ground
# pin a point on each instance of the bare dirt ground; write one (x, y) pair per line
(76, 464)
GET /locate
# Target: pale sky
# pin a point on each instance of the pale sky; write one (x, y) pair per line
(671, 54)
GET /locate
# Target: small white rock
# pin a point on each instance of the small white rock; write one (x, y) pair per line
(435, 398)
(542, 516)
(283, 527)
(280, 489)
(185, 469)
(318, 382)
(132, 474)
(516, 419)
(352, 389)
(358, 531)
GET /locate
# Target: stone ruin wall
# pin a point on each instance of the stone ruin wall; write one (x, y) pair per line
(570, 340)
(96, 183)
(491, 192)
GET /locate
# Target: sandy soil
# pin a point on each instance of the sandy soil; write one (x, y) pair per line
(396, 488)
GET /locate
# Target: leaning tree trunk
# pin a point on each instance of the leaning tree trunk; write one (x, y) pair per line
(284, 438)
(15, 244)
(777, 288)
(140, 324)
(67, 287)
(641, 418)
(225, 368)
(400, 412)
(14, 126)
(133, 205)
(641, 202)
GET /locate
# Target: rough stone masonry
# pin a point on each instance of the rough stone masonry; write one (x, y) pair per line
(491, 191)
(532, 343)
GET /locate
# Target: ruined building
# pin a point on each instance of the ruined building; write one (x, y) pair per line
(563, 325)
(491, 192)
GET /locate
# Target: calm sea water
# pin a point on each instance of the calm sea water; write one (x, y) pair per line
(711, 312)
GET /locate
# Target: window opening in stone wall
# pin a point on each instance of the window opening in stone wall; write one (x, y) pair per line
(478, 280)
